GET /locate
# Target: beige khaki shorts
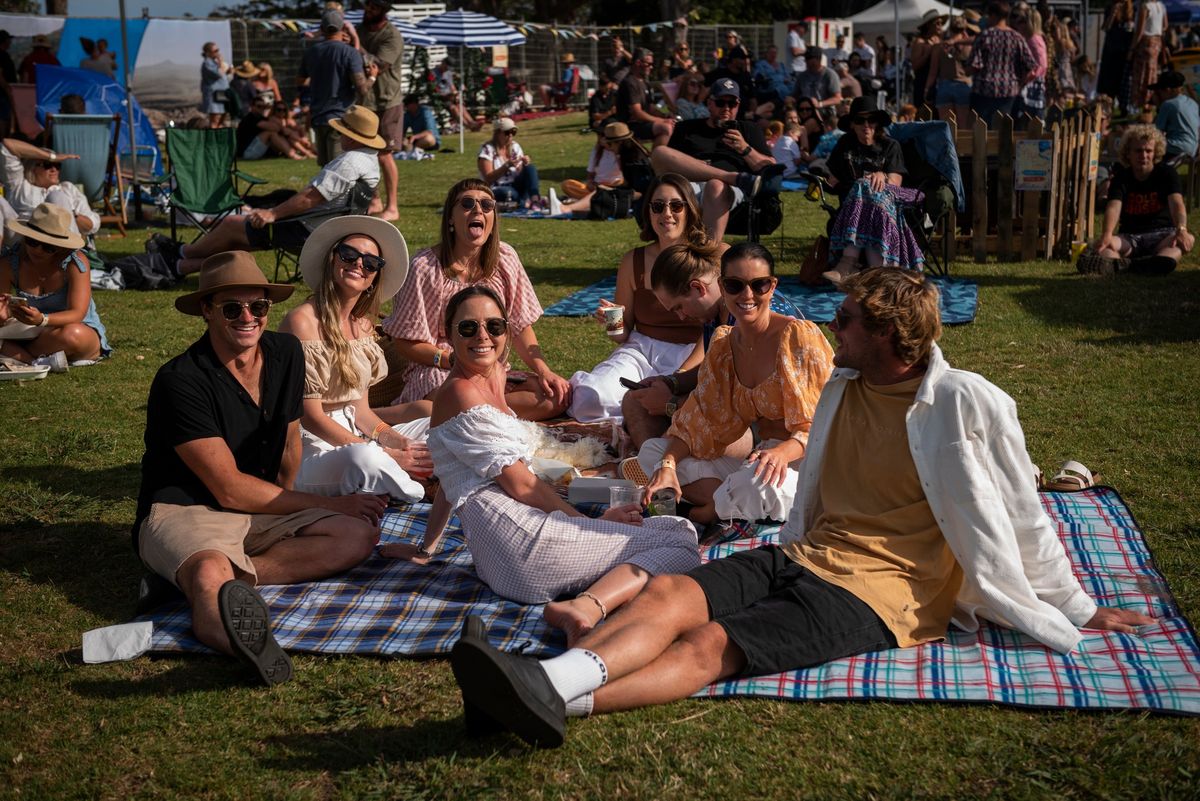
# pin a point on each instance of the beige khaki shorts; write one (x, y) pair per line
(172, 534)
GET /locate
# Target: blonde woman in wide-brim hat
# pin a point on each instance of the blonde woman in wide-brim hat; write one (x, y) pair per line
(352, 264)
(47, 314)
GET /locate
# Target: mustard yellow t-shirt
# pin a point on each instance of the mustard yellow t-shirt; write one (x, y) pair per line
(875, 535)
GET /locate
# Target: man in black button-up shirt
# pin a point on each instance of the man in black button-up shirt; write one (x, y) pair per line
(222, 450)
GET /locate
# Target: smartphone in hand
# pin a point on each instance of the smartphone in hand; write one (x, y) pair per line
(629, 384)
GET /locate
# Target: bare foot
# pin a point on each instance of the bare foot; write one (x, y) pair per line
(575, 617)
(376, 206)
(391, 215)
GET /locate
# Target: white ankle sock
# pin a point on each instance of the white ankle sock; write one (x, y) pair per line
(576, 672)
(580, 707)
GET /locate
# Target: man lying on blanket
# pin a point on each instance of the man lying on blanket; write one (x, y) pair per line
(222, 449)
(916, 505)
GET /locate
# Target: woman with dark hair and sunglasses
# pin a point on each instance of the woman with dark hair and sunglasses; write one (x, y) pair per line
(763, 374)
(351, 264)
(867, 167)
(655, 341)
(470, 252)
(528, 544)
(47, 315)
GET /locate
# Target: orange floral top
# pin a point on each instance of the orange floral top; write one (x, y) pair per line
(721, 408)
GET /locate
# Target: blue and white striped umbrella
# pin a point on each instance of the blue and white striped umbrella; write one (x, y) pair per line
(470, 29)
(413, 36)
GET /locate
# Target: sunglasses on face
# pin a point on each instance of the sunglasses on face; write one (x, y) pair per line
(843, 317)
(370, 262)
(865, 121)
(729, 102)
(513, 132)
(486, 204)
(759, 286)
(50, 165)
(659, 206)
(38, 244)
(495, 326)
(232, 309)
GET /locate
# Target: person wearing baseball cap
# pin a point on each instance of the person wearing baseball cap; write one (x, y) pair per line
(263, 229)
(1178, 116)
(726, 159)
(736, 67)
(817, 83)
(336, 75)
(216, 513)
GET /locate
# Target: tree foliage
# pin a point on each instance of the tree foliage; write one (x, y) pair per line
(272, 9)
(22, 6)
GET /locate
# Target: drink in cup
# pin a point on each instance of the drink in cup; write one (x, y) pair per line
(614, 320)
(623, 496)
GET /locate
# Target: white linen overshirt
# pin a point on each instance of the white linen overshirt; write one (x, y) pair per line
(969, 450)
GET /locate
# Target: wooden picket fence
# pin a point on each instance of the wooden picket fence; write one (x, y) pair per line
(1031, 223)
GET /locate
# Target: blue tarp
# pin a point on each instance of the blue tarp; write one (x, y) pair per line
(103, 96)
(70, 51)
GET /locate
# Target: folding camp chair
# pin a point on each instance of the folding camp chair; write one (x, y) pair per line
(204, 176)
(93, 137)
(357, 202)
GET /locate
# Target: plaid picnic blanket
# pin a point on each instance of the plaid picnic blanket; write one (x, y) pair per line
(959, 299)
(393, 608)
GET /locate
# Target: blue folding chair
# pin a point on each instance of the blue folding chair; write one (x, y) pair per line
(93, 137)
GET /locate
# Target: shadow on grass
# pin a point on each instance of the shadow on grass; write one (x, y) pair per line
(91, 564)
(194, 673)
(1123, 310)
(340, 751)
(567, 276)
(105, 484)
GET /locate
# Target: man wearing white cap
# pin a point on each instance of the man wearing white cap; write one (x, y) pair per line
(216, 513)
(262, 229)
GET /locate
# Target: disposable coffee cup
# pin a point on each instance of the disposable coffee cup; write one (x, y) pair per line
(623, 496)
(614, 320)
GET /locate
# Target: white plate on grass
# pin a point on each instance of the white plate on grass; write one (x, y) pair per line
(31, 374)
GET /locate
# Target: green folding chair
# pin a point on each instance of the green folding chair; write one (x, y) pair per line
(93, 137)
(204, 177)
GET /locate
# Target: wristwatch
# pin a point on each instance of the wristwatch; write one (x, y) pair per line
(746, 150)
(671, 406)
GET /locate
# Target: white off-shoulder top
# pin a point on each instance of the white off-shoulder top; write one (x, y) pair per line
(470, 449)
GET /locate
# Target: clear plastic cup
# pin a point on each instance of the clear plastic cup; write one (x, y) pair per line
(623, 496)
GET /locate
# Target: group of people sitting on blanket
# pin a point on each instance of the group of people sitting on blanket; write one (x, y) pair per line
(906, 491)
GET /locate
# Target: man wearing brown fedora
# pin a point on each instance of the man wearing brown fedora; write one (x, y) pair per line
(216, 513)
(263, 229)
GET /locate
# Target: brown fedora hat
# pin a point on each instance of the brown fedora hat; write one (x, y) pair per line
(362, 125)
(50, 224)
(233, 269)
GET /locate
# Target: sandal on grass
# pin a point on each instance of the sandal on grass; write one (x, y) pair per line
(244, 617)
(1071, 477)
(631, 470)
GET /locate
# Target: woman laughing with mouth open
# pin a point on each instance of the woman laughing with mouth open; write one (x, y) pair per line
(470, 252)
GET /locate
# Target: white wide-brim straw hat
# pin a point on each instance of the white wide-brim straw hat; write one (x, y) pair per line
(315, 255)
(362, 125)
(50, 224)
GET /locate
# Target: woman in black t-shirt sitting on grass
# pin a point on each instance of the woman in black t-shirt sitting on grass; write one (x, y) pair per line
(1145, 199)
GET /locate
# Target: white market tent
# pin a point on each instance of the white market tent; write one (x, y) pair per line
(881, 18)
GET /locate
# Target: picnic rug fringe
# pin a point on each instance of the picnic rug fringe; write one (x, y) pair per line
(395, 608)
(959, 299)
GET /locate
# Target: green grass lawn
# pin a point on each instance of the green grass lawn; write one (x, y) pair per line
(1105, 372)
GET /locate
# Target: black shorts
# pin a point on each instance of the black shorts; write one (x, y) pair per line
(642, 130)
(782, 616)
(289, 235)
(1146, 243)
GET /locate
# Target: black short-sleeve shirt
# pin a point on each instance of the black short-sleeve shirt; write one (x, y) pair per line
(1144, 203)
(194, 397)
(631, 91)
(851, 160)
(700, 140)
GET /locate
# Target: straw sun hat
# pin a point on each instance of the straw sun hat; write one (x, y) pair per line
(50, 224)
(233, 269)
(362, 125)
(392, 248)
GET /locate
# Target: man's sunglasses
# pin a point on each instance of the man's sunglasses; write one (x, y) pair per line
(371, 263)
(659, 206)
(495, 326)
(843, 317)
(728, 102)
(486, 204)
(759, 286)
(232, 309)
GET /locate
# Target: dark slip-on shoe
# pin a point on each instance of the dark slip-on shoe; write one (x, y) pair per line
(248, 626)
(512, 691)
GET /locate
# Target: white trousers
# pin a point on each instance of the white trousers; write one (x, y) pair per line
(331, 470)
(740, 496)
(597, 395)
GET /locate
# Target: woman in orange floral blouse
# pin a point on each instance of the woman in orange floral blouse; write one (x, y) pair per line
(764, 374)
